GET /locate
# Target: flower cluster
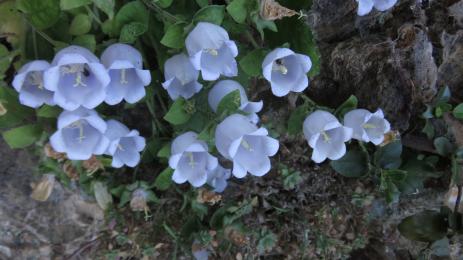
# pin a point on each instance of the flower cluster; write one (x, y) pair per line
(211, 54)
(77, 81)
(365, 6)
(327, 136)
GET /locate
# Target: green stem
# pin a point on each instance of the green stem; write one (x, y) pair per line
(367, 155)
(161, 11)
(251, 39)
(93, 15)
(34, 44)
(46, 37)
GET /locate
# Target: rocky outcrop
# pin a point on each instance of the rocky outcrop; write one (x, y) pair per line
(385, 59)
(55, 229)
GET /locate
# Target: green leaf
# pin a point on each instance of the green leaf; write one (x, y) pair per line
(252, 62)
(164, 179)
(177, 113)
(262, 24)
(15, 112)
(42, 14)
(296, 119)
(354, 164)
(5, 61)
(202, 3)
(418, 171)
(87, 41)
(12, 24)
(107, 6)
(174, 36)
(238, 10)
(81, 24)
(388, 156)
(458, 111)
(130, 32)
(230, 103)
(23, 136)
(47, 111)
(428, 129)
(390, 189)
(211, 13)
(348, 105)
(133, 11)
(427, 226)
(71, 4)
(443, 146)
(291, 180)
(267, 241)
(164, 3)
(165, 151)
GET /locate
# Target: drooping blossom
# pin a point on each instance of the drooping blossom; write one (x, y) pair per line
(128, 78)
(286, 71)
(218, 177)
(211, 51)
(326, 136)
(248, 146)
(225, 87)
(365, 6)
(80, 134)
(77, 78)
(125, 144)
(190, 160)
(29, 84)
(367, 126)
(181, 77)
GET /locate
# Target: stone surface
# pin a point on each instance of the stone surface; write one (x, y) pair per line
(55, 229)
(385, 59)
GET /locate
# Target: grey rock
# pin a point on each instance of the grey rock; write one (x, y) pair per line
(30, 229)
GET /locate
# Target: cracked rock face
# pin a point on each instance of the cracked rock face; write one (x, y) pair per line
(40, 230)
(450, 71)
(387, 61)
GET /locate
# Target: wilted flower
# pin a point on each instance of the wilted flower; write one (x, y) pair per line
(365, 6)
(92, 165)
(80, 134)
(3, 110)
(368, 127)
(218, 177)
(29, 83)
(125, 68)
(125, 145)
(248, 146)
(326, 136)
(139, 201)
(41, 191)
(181, 77)
(77, 78)
(225, 87)
(207, 196)
(190, 160)
(70, 171)
(286, 71)
(211, 51)
(50, 153)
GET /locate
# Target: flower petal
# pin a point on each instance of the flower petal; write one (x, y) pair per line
(365, 7)
(205, 36)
